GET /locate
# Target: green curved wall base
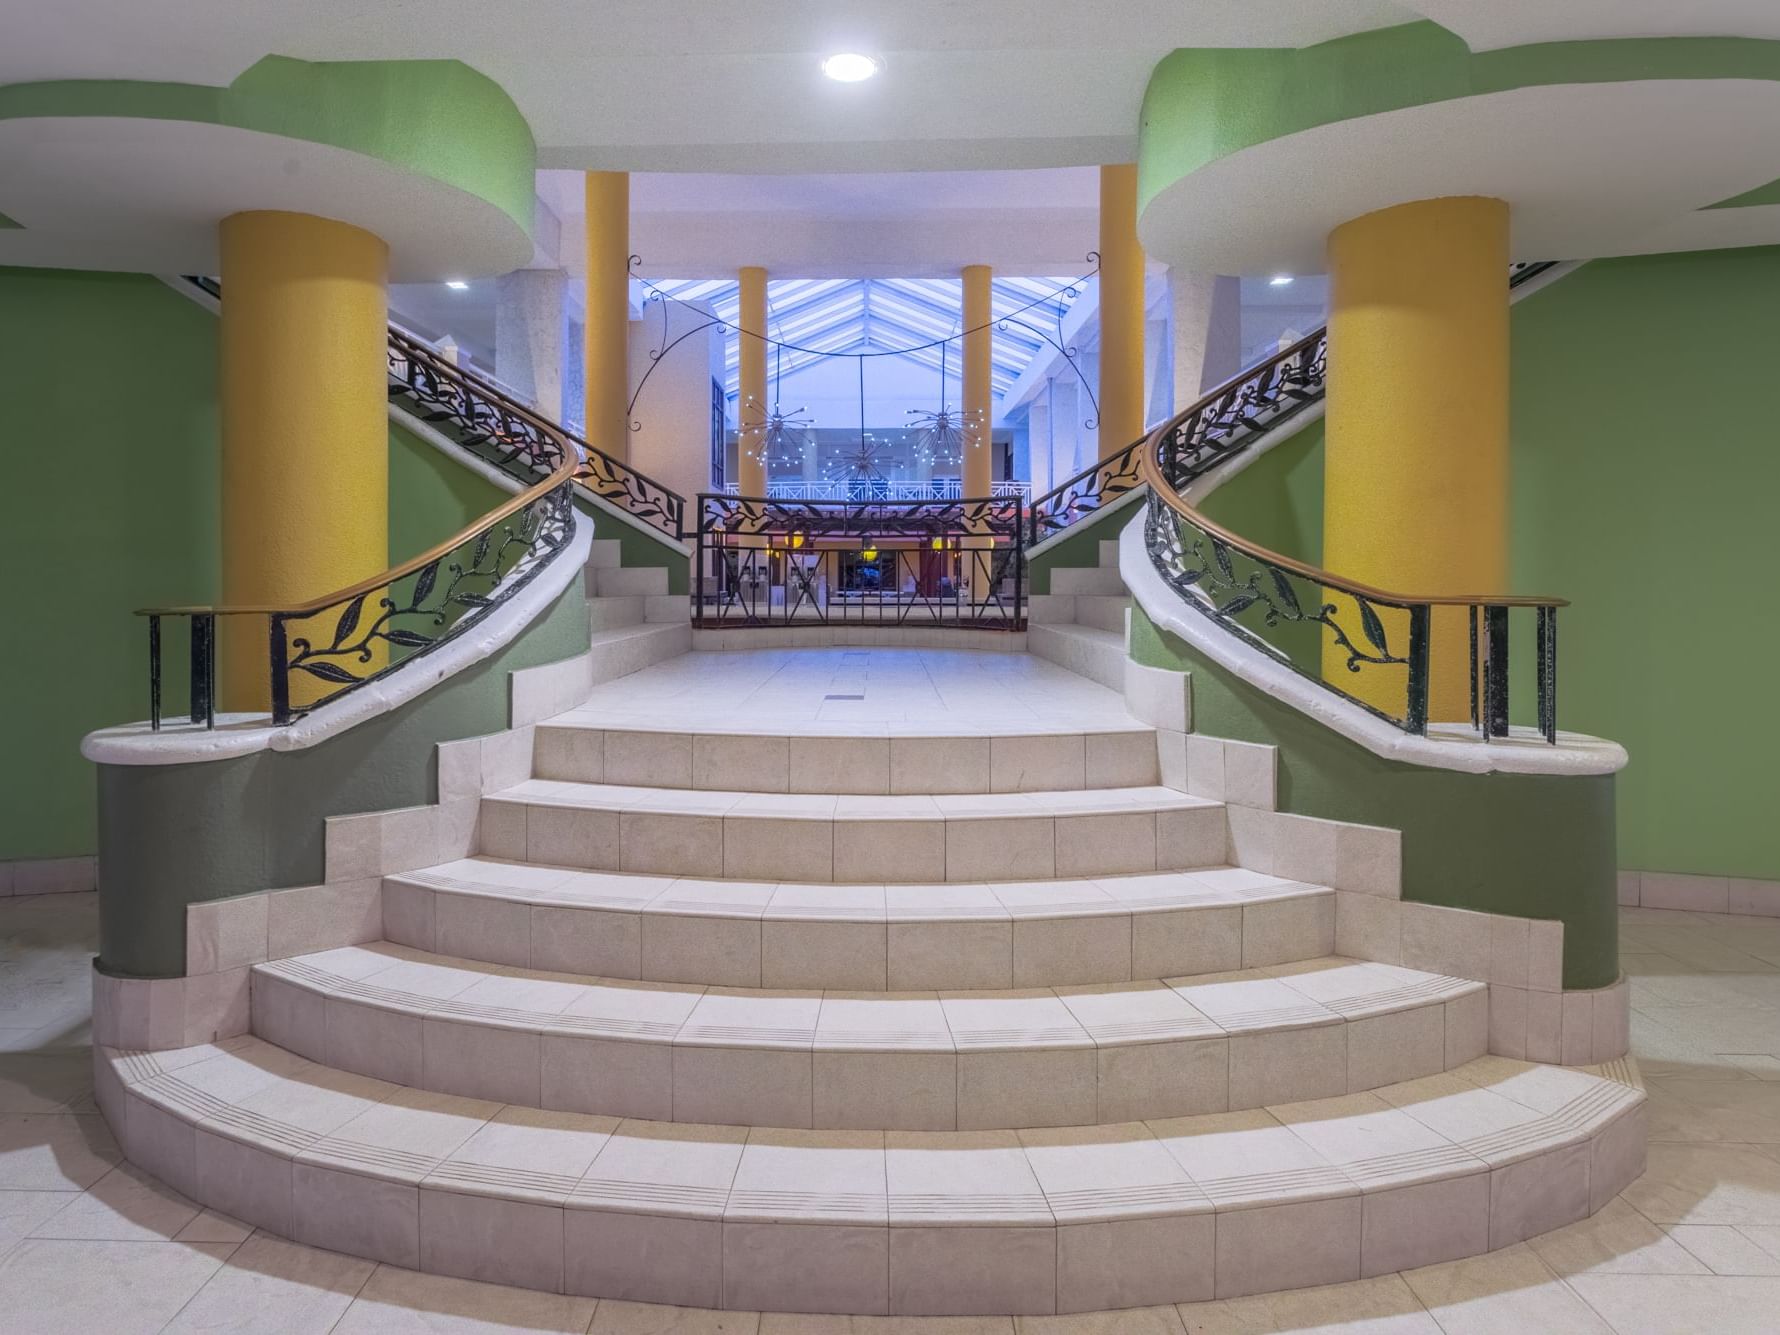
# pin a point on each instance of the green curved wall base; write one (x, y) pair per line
(172, 835)
(1530, 845)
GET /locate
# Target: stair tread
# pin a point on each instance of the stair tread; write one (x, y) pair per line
(1322, 991)
(1139, 892)
(1488, 1113)
(832, 807)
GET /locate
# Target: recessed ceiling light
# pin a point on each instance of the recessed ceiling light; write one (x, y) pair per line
(1280, 280)
(850, 67)
(458, 284)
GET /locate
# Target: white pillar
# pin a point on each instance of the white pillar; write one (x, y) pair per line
(528, 335)
(1038, 436)
(1207, 314)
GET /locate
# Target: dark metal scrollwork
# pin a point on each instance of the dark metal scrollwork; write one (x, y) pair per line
(423, 609)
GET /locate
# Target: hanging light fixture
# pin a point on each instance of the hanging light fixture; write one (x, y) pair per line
(941, 437)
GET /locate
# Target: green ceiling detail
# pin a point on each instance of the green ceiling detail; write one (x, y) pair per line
(437, 118)
(1202, 105)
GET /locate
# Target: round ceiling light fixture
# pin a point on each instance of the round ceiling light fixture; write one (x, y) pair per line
(850, 66)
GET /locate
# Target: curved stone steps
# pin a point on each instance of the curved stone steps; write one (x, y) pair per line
(860, 760)
(905, 838)
(926, 1061)
(870, 937)
(958, 1223)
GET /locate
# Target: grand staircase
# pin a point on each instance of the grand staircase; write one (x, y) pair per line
(862, 1015)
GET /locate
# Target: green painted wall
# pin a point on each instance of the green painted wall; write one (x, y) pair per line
(110, 503)
(1080, 545)
(172, 835)
(1533, 846)
(1643, 486)
(110, 449)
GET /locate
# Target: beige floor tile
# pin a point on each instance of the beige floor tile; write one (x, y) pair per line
(56, 1152)
(21, 1211)
(273, 1287)
(1509, 1292)
(126, 1205)
(795, 1323)
(1708, 1184)
(1382, 1306)
(120, 1288)
(399, 1301)
(1683, 1304)
(1725, 1250)
(622, 1318)
(1618, 1240)
(1132, 1321)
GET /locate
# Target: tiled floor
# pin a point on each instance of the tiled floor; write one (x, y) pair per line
(87, 1245)
(933, 691)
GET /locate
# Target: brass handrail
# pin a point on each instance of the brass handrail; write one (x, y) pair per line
(1152, 476)
(564, 472)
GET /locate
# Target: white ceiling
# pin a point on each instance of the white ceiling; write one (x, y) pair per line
(866, 225)
(701, 85)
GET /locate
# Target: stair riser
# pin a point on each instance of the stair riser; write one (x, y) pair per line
(567, 1068)
(1102, 613)
(864, 766)
(689, 1222)
(1086, 579)
(612, 613)
(859, 851)
(935, 954)
(630, 581)
(1097, 660)
(628, 653)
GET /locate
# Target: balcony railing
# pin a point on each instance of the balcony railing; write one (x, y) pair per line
(880, 489)
(774, 561)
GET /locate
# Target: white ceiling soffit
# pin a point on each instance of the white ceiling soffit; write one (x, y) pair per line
(703, 85)
(1575, 159)
(870, 225)
(97, 192)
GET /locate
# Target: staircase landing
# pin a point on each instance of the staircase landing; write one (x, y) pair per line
(870, 691)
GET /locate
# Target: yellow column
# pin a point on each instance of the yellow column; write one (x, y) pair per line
(1121, 310)
(606, 340)
(979, 386)
(305, 430)
(1415, 474)
(751, 408)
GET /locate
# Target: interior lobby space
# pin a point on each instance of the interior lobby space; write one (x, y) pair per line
(798, 666)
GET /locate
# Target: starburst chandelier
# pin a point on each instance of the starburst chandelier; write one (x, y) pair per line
(942, 437)
(861, 463)
(779, 438)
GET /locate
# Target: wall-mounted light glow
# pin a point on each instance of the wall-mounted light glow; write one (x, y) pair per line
(1280, 280)
(456, 284)
(850, 67)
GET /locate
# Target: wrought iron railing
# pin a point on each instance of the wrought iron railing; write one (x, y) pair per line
(325, 648)
(1227, 419)
(1371, 647)
(328, 647)
(491, 422)
(765, 561)
(879, 489)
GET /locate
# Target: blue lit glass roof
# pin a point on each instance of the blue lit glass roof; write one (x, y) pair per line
(815, 316)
